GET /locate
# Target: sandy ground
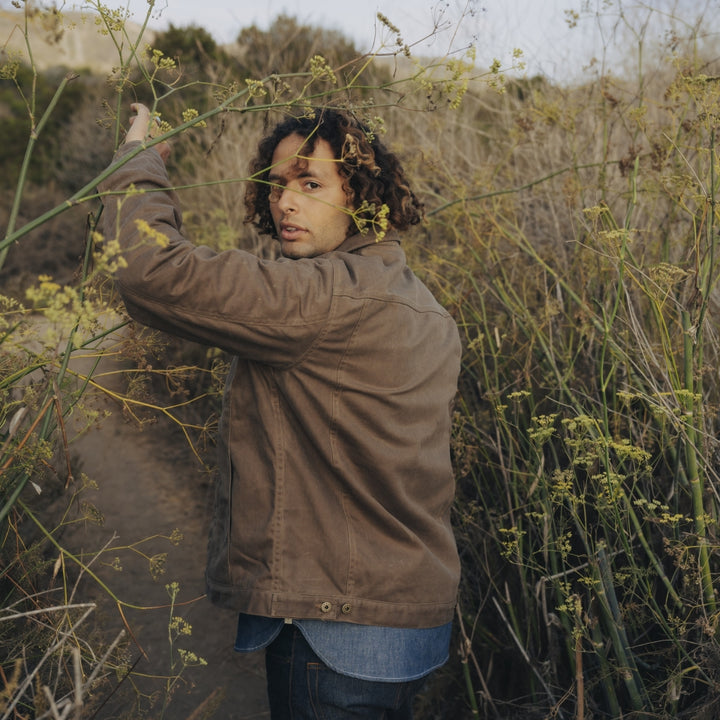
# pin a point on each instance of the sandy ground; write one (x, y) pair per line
(149, 484)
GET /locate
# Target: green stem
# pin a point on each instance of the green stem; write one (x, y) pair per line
(34, 134)
(87, 192)
(616, 629)
(599, 642)
(514, 190)
(24, 478)
(657, 565)
(693, 468)
(470, 689)
(85, 568)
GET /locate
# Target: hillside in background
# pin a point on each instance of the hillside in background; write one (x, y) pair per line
(72, 40)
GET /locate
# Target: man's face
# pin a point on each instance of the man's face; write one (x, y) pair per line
(308, 205)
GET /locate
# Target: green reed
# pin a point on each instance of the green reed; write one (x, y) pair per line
(581, 266)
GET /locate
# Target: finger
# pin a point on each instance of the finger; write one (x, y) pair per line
(141, 112)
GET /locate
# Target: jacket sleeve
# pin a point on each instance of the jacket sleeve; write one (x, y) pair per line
(269, 311)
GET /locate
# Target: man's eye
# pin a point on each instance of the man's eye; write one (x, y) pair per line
(311, 185)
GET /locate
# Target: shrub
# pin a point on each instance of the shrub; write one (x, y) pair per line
(578, 253)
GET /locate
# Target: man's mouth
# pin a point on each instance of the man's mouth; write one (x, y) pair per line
(291, 232)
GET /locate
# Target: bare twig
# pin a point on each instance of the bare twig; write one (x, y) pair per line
(523, 652)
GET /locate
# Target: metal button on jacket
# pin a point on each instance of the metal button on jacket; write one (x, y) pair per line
(325, 607)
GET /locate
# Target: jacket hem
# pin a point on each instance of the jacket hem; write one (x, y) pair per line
(361, 611)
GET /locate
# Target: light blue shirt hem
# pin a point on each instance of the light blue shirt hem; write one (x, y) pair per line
(365, 652)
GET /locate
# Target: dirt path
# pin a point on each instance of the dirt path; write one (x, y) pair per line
(150, 484)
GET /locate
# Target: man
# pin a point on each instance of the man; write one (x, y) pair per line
(331, 532)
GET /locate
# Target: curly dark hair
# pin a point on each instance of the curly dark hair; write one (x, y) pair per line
(373, 176)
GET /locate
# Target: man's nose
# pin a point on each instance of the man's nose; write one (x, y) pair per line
(287, 202)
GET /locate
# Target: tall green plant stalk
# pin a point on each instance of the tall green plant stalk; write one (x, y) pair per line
(693, 467)
(34, 135)
(615, 627)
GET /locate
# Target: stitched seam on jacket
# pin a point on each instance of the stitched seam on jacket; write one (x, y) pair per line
(338, 386)
(278, 538)
(230, 319)
(394, 300)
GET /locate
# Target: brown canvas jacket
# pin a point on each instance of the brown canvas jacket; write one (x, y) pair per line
(335, 484)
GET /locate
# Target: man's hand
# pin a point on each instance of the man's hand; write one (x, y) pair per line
(142, 126)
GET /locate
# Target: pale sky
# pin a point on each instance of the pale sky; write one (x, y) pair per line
(494, 27)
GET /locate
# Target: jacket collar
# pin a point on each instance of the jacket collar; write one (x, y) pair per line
(360, 240)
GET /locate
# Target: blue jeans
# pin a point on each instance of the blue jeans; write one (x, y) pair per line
(301, 687)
